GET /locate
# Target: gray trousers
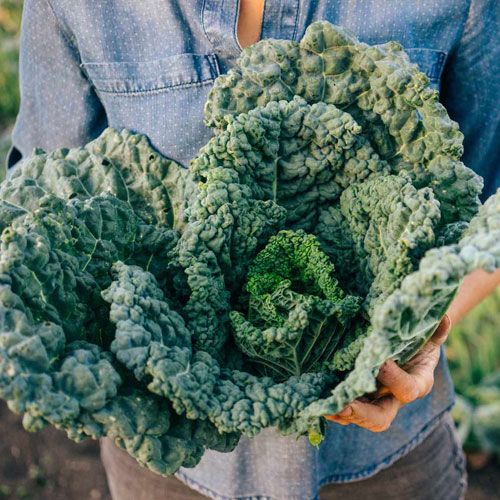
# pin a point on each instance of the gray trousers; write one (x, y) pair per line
(434, 470)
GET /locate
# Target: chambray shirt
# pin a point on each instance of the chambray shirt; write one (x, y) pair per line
(148, 65)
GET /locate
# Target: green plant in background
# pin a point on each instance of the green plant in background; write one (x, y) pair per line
(9, 97)
(10, 20)
(10, 16)
(473, 351)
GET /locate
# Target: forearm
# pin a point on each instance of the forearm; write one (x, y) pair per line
(475, 287)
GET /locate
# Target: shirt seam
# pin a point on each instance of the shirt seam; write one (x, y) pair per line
(214, 65)
(466, 24)
(231, 45)
(65, 33)
(152, 61)
(264, 17)
(441, 56)
(158, 90)
(296, 21)
(203, 10)
(235, 25)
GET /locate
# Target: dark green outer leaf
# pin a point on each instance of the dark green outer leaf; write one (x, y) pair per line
(410, 314)
(399, 115)
(66, 217)
(237, 401)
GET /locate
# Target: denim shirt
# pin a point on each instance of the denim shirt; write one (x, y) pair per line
(148, 66)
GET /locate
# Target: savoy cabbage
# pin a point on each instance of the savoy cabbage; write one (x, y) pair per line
(323, 229)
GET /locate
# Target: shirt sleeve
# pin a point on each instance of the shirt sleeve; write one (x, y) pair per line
(59, 107)
(471, 90)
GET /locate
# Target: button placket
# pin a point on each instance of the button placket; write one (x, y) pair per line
(280, 19)
(219, 20)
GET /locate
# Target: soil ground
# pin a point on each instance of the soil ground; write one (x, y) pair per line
(48, 466)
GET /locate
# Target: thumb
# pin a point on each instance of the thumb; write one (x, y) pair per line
(441, 333)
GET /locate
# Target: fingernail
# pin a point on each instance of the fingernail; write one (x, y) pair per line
(346, 412)
(447, 323)
(443, 328)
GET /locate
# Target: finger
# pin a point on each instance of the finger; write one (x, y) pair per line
(442, 331)
(422, 366)
(414, 381)
(402, 385)
(416, 378)
(342, 416)
(376, 416)
(422, 370)
(338, 420)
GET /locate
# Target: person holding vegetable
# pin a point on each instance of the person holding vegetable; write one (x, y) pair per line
(148, 66)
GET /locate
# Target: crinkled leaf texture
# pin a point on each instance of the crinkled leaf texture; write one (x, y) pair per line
(297, 312)
(125, 282)
(67, 217)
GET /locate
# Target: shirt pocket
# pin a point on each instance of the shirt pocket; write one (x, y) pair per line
(163, 99)
(430, 62)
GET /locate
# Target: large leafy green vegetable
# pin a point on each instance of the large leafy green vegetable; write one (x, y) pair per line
(324, 228)
(66, 218)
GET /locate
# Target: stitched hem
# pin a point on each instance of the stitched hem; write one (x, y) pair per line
(159, 90)
(390, 459)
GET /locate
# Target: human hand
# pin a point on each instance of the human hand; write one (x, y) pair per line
(398, 386)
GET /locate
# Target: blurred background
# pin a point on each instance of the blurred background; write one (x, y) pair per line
(47, 465)
(10, 20)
